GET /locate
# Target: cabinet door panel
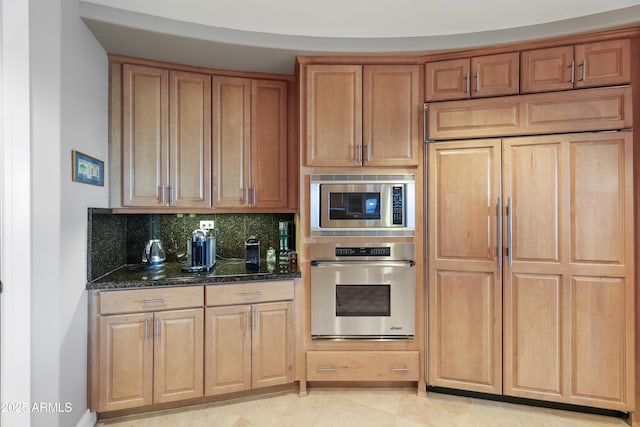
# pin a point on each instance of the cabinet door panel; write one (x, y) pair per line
(145, 138)
(190, 126)
(465, 331)
(446, 80)
(465, 315)
(391, 107)
(494, 75)
(600, 373)
(546, 70)
(603, 63)
(227, 349)
(465, 190)
(598, 199)
(532, 175)
(533, 354)
(272, 344)
(231, 100)
(334, 115)
(126, 361)
(177, 355)
(269, 154)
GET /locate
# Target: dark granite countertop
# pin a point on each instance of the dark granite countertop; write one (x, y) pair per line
(224, 271)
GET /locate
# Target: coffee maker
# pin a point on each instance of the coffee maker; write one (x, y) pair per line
(252, 254)
(201, 251)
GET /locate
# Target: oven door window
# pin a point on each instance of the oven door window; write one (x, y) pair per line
(353, 205)
(363, 300)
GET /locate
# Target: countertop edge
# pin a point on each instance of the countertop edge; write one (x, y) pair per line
(190, 281)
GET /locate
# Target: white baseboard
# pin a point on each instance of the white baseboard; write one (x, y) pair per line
(89, 419)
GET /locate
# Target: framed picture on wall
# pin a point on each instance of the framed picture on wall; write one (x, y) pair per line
(86, 169)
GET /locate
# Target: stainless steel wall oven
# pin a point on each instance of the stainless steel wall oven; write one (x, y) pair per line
(364, 291)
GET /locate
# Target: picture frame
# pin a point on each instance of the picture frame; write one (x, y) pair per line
(86, 169)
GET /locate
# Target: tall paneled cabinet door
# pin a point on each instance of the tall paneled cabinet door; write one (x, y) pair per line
(333, 115)
(603, 63)
(250, 143)
(569, 277)
(391, 115)
(477, 77)
(464, 276)
(166, 138)
(269, 153)
(362, 115)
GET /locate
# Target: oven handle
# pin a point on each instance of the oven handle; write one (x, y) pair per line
(406, 263)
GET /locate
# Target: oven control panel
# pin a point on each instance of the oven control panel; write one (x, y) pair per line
(363, 251)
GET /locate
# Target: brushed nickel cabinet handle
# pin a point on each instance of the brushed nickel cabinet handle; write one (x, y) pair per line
(478, 81)
(157, 328)
(509, 232)
(573, 72)
(399, 370)
(253, 202)
(368, 149)
(162, 195)
(499, 221)
(468, 83)
(146, 329)
(584, 70)
(326, 369)
(359, 153)
(248, 294)
(151, 300)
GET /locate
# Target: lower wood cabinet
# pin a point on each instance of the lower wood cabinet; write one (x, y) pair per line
(362, 366)
(165, 344)
(151, 357)
(248, 346)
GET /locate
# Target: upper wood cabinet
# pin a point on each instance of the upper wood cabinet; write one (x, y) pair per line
(584, 65)
(166, 138)
(362, 115)
(573, 111)
(250, 143)
(476, 77)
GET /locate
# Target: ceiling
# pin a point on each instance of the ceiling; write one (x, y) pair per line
(255, 35)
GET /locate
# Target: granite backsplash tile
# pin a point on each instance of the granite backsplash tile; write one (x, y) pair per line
(107, 242)
(118, 239)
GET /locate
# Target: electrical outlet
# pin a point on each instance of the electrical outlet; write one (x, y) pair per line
(207, 225)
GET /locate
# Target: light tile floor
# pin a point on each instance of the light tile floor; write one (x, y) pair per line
(364, 407)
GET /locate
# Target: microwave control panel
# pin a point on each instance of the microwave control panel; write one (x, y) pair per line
(398, 205)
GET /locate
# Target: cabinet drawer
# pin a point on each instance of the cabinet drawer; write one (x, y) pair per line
(249, 293)
(362, 366)
(150, 299)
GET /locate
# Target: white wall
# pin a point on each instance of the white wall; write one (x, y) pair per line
(69, 111)
(15, 152)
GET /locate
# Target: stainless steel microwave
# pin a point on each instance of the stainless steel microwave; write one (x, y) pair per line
(363, 205)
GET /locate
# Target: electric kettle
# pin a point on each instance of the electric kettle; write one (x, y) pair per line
(153, 255)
